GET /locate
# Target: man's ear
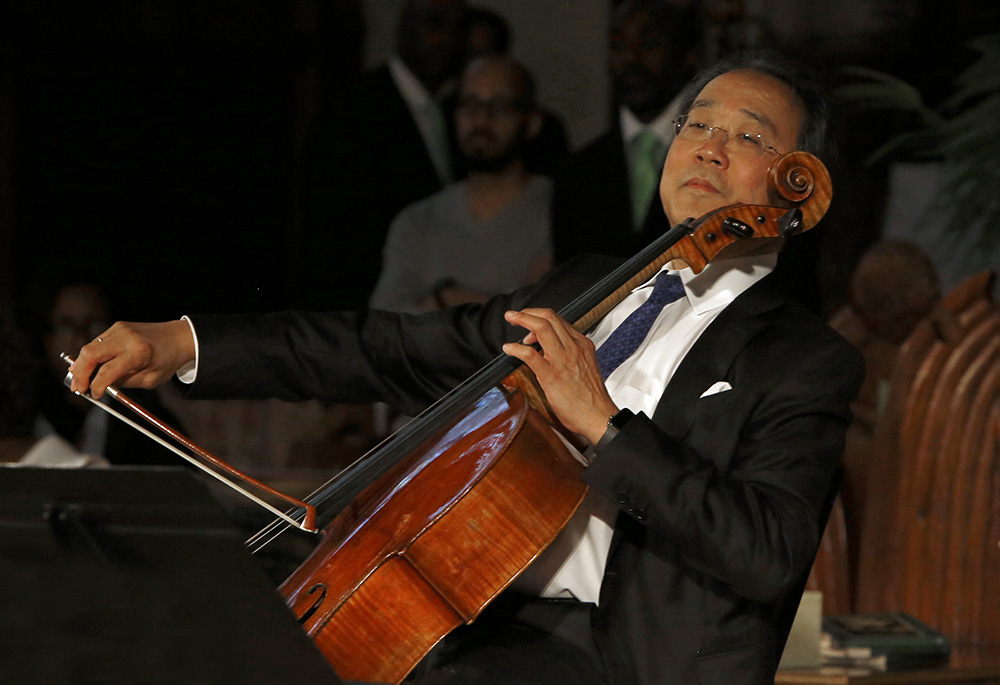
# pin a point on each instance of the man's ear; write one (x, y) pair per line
(534, 124)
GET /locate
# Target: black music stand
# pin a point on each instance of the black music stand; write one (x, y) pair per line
(135, 574)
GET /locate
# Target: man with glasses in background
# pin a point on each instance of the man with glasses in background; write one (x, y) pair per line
(715, 409)
(489, 233)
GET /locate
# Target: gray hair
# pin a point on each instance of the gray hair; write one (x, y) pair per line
(802, 81)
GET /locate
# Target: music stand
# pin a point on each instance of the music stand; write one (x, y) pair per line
(135, 574)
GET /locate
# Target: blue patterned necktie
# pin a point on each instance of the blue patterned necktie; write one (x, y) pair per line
(625, 339)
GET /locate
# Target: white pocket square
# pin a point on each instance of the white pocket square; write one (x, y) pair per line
(716, 388)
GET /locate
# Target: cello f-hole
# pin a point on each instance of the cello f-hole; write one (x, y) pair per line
(316, 603)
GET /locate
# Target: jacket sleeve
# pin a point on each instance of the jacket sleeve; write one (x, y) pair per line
(406, 360)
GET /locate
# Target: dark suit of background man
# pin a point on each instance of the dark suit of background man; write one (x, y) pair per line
(652, 46)
(383, 146)
(715, 445)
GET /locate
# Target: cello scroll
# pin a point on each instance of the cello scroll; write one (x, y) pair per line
(800, 178)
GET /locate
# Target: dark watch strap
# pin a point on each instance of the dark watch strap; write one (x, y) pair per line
(615, 424)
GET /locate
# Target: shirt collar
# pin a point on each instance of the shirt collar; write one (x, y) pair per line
(662, 125)
(721, 281)
(409, 86)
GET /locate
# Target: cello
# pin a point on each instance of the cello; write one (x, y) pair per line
(422, 534)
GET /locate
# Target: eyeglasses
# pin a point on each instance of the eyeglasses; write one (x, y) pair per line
(744, 142)
(494, 107)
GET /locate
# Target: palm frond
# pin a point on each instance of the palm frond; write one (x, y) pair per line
(964, 131)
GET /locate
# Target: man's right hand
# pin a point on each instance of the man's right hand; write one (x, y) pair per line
(133, 355)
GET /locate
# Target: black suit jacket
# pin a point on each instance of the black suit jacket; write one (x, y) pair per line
(722, 498)
(592, 206)
(365, 164)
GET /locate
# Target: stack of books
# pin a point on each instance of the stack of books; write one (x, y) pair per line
(880, 642)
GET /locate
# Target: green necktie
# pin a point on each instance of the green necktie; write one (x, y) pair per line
(647, 164)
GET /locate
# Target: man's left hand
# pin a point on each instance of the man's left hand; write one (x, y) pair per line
(566, 369)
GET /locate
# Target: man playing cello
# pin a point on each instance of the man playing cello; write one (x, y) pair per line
(715, 436)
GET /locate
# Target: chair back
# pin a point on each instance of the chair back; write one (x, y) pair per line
(930, 532)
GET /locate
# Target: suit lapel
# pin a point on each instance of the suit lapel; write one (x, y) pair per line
(400, 129)
(707, 362)
(712, 355)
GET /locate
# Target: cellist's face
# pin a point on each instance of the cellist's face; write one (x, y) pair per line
(700, 176)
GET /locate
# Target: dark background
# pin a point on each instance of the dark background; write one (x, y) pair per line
(154, 146)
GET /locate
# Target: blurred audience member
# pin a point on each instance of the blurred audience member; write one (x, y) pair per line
(490, 34)
(489, 233)
(894, 286)
(73, 315)
(606, 199)
(18, 444)
(383, 146)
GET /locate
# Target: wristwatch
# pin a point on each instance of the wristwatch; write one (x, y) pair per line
(615, 424)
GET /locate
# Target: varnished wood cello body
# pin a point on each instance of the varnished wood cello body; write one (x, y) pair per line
(427, 547)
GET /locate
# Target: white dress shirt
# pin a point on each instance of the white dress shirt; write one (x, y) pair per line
(573, 565)
(662, 126)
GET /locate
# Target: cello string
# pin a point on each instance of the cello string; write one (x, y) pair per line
(496, 370)
(584, 310)
(403, 441)
(396, 442)
(275, 529)
(278, 523)
(371, 465)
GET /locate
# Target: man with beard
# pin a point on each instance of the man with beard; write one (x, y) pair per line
(489, 233)
(489, 33)
(605, 200)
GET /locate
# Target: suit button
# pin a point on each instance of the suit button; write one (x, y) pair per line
(640, 514)
(622, 497)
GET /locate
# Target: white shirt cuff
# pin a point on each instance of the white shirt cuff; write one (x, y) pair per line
(189, 372)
